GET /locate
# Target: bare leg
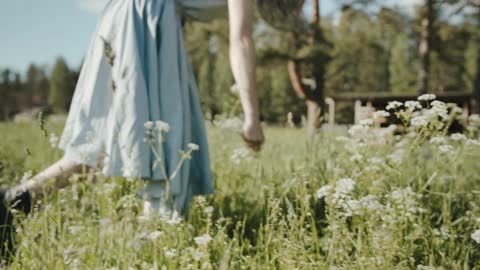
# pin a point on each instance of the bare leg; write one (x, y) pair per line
(52, 178)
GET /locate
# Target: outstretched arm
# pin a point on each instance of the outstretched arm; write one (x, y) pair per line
(243, 62)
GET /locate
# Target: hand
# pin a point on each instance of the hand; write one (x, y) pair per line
(253, 135)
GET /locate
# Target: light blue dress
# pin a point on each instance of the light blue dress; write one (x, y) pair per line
(137, 70)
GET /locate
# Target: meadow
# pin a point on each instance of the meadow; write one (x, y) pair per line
(366, 199)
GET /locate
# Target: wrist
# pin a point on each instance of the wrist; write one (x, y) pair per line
(252, 118)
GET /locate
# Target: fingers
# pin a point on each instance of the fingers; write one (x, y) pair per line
(253, 144)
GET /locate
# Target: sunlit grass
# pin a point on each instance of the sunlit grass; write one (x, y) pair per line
(266, 211)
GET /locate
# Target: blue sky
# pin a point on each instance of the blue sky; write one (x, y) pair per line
(40, 30)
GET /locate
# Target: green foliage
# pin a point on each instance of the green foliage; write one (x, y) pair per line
(402, 75)
(61, 90)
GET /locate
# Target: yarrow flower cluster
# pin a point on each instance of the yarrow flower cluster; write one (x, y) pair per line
(458, 137)
(446, 148)
(203, 240)
(159, 125)
(53, 140)
(412, 105)
(193, 147)
(476, 236)
(381, 114)
(393, 105)
(427, 97)
(438, 140)
(239, 155)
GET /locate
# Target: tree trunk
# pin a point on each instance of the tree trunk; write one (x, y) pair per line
(425, 45)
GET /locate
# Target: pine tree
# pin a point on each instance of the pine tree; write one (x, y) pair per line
(5, 93)
(60, 87)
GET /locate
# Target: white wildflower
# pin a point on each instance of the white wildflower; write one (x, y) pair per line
(476, 236)
(148, 125)
(473, 142)
(366, 122)
(446, 148)
(474, 118)
(371, 203)
(171, 253)
(239, 155)
(356, 157)
(376, 160)
(438, 103)
(353, 207)
(154, 235)
(427, 97)
(345, 186)
(438, 109)
(53, 140)
(358, 130)
(438, 140)
(412, 105)
(392, 105)
(208, 210)
(445, 232)
(456, 110)
(324, 192)
(419, 121)
(197, 255)
(203, 240)
(381, 114)
(397, 156)
(162, 126)
(458, 137)
(193, 147)
(26, 176)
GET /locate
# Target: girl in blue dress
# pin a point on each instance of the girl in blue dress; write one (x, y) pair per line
(136, 74)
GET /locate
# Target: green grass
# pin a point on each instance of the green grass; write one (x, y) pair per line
(266, 211)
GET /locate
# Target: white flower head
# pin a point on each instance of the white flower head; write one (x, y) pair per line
(438, 109)
(53, 140)
(438, 140)
(356, 157)
(162, 126)
(324, 192)
(154, 235)
(427, 97)
(446, 148)
(203, 240)
(193, 147)
(412, 105)
(458, 137)
(148, 125)
(474, 118)
(366, 122)
(393, 105)
(473, 142)
(26, 176)
(171, 253)
(476, 236)
(381, 114)
(208, 210)
(419, 121)
(345, 186)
